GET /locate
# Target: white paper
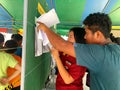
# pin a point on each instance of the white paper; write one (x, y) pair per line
(50, 18)
(38, 44)
(42, 44)
(43, 37)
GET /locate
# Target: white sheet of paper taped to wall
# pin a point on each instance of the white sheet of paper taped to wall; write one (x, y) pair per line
(49, 19)
(43, 37)
(38, 44)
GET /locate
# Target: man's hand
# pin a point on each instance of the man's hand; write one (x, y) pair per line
(41, 26)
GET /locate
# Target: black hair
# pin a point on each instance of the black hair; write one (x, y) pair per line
(16, 37)
(115, 39)
(99, 21)
(11, 45)
(1, 38)
(79, 34)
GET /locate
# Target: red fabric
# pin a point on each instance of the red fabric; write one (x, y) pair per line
(3, 29)
(77, 72)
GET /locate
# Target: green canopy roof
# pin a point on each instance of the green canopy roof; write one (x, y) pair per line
(70, 12)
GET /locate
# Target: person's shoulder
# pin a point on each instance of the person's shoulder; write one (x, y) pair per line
(113, 45)
(5, 55)
(87, 45)
(78, 44)
(18, 58)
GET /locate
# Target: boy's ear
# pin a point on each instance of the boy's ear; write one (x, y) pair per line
(98, 34)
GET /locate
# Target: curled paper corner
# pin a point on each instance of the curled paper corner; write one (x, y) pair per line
(50, 18)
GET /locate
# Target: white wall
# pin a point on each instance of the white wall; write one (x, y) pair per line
(7, 36)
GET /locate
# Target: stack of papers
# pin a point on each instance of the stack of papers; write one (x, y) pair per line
(42, 43)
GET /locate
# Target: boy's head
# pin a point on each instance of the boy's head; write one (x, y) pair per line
(11, 45)
(97, 24)
(17, 38)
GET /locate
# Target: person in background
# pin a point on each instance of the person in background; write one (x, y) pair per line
(115, 39)
(6, 60)
(70, 75)
(18, 39)
(100, 55)
(1, 40)
(15, 82)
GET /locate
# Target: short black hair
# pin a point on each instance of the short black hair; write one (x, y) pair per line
(99, 21)
(1, 38)
(79, 34)
(11, 45)
(16, 37)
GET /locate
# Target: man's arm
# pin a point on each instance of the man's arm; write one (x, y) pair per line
(57, 42)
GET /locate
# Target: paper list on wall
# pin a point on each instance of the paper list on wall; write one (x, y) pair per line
(42, 43)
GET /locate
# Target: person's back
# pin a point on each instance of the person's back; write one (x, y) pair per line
(114, 40)
(109, 73)
(6, 61)
(15, 82)
(105, 71)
